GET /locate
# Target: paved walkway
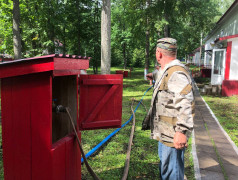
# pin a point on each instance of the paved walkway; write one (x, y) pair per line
(217, 155)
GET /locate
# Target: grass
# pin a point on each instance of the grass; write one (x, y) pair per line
(108, 162)
(226, 111)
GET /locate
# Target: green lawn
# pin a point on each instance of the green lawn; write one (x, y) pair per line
(226, 111)
(108, 162)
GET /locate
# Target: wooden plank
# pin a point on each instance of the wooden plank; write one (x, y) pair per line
(68, 63)
(25, 67)
(16, 128)
(41, 125)
(65, 93)
(7, 123)
(100, 81)
(101, 104)
(70, 154)
(59, 160)
(66, 72)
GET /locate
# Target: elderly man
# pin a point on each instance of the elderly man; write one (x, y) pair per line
(170, 117)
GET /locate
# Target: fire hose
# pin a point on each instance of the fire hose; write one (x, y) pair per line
(126, 169)
(127, 163)
(90, 170)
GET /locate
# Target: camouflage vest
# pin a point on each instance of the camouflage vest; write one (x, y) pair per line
(164, 114)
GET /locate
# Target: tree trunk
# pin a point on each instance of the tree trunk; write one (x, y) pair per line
(124, 55)
(51, 30)
(147, 43)
(166, 17)
(166, 27)
(96, 46)
(147, 52)
(16, 30)
(78, 24)
(106, 37)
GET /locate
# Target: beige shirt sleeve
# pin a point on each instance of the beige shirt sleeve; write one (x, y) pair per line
(183, 103)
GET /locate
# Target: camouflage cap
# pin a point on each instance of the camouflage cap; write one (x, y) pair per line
(169, 44)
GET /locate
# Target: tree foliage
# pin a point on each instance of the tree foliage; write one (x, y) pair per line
(73, 27)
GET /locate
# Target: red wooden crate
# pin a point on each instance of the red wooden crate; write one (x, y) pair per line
(37, 143)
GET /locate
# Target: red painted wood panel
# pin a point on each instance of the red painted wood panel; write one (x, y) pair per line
(66, 72)
(66, 159)
(16, 122)
(228, 60)
(100, 101)
(100, 81)
(41, 125)
(73, 160)
(26, 67)
(67, 63)
(229, 87)
(59, 160)
(33, 65)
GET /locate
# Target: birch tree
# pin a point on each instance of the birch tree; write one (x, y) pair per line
(106, 37)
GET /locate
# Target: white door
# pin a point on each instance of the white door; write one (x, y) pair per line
(218, 66)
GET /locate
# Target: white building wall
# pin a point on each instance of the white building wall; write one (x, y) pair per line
(227, 27)
(207, 59)
(234, 60)
(196, 58)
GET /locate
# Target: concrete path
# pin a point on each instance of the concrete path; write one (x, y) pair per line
(217, 155)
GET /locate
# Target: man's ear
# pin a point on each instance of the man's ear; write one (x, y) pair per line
(159, 54)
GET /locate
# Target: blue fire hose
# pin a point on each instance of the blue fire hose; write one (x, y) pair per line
(114, 132)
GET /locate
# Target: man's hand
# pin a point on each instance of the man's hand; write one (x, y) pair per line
(149, 76)
(180, 140)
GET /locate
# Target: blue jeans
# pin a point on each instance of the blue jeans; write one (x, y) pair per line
(171, 163)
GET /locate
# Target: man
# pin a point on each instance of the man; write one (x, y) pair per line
(170, 117)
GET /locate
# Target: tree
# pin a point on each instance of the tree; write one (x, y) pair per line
(75, 26)
(6, 43)
(106, 37)
(16, 30)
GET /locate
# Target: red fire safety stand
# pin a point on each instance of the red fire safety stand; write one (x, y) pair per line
(38, 142)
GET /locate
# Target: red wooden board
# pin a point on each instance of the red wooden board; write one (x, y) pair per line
(100, 101)
(59, 160)
(71, 66)
(41, 120)
(66, 162)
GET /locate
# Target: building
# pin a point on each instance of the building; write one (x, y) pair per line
(221, 48)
